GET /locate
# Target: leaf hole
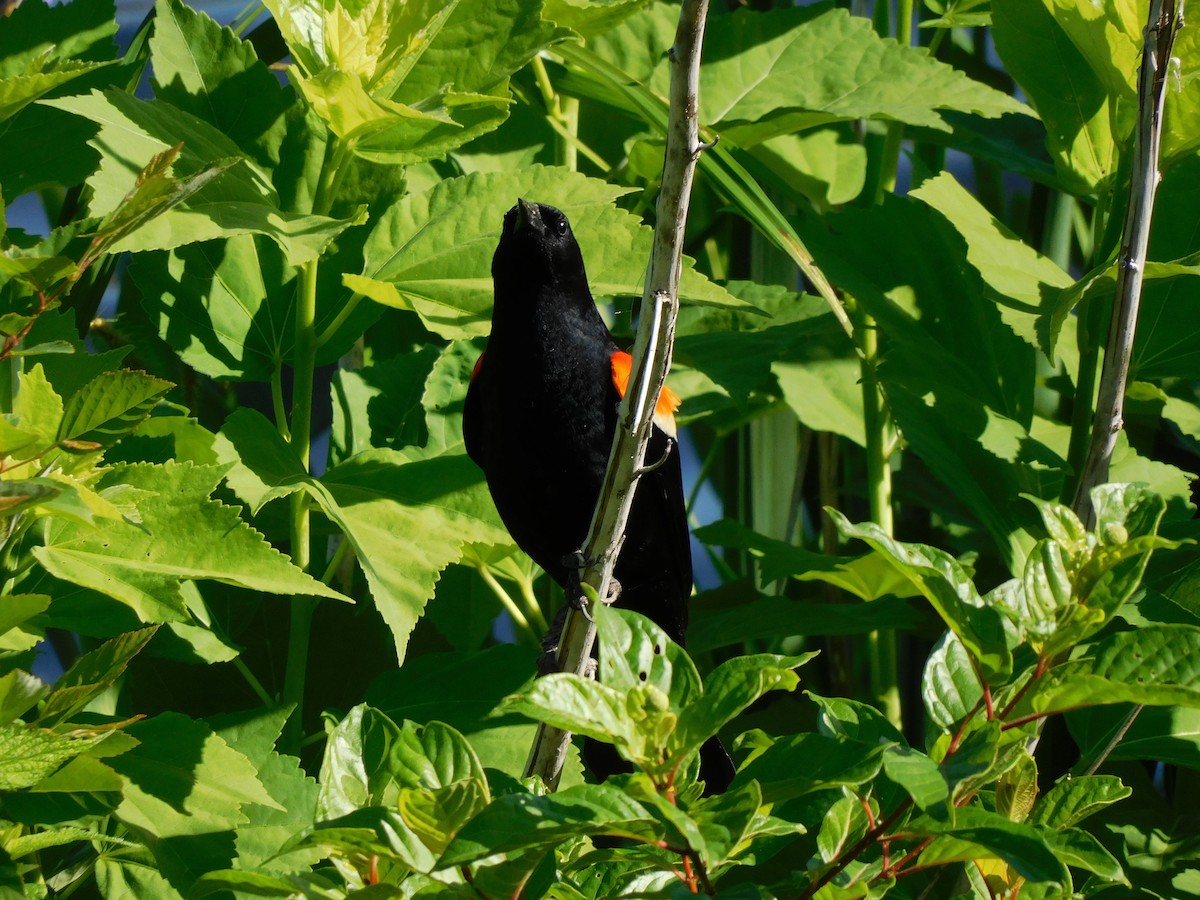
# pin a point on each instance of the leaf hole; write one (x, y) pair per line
(657, 648)
(642, 676)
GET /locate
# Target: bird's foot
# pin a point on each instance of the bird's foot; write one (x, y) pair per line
(651, 467)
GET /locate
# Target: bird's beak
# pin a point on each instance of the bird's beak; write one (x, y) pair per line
(529, 216)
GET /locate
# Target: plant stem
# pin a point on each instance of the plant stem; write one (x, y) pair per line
(1131, 260)
(301, 434)
(281, 422)
(339, 320)
(651, 360)
(252, 680)
(510, 605)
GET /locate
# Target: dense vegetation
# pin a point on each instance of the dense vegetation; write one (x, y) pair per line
(297, 641)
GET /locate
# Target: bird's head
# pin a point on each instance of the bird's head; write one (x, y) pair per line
(538, 248)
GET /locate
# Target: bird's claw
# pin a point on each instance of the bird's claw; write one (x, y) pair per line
(647, 469)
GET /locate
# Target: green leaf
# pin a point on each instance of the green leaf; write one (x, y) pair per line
(868, 577)
(182, 779)
(636, 654)
(1017, 275)
(806, 763)
(42, 75)
(16, 631)
(1041, 56)
(264, 466)
(1079, 849)
(920, 777)
(439, 503)
(1156, 665)
(725, 820)
(406, 265)
(756, 80)
(110, 406)
(941, 580)
(19, 692)
(950, 687)
(729, 689)
(1180, 133)
(240, 201)
(581, 706)
(28, 754)
(1074, 798)
(92, 674)
(854, 720)
(38, 411)
(207, 71)
(1022, 846)
(183, 535)
(519, 821)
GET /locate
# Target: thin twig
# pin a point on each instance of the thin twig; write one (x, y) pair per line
(1161, 27)
(1118, 736)
(651, 359)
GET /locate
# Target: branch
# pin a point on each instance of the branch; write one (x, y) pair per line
(651, 359)
(1160, 32)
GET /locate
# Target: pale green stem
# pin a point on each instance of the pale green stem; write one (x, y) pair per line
(340, 319)
(302, 606)
(510, 605)
(255, 684)
(281, 421)
(532, 607)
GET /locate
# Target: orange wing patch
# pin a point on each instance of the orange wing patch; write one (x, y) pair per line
(668, 400)
(478, 363)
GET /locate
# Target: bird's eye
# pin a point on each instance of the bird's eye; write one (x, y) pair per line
(561, 226)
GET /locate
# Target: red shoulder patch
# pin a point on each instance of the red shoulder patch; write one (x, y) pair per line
(668, 400)
(475, 368)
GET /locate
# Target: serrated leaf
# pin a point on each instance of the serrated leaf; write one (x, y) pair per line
(519, 821)
(757, 80)
(182, 779)
(439, 503)
(28, 753)
(183, 535)
(1073, 798)
(19, 692)
(110, 406)
(92, 674)
(405, 264)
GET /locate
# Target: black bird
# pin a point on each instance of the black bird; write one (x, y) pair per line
(539, 420)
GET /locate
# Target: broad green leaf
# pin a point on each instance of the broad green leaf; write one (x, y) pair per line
(227, 308)
(1040, 55)
(25, 493)
(1181, 135)
(42, 75)
(92, 674)
(806, 763)
(635, 654)
(825, 165)
(38, 411)
(438, 503)
(37, 29)
(854, 720)
(19, 692)
(16, 630)
(264, 466)
(950, 687)
(240, 201)
(1081, 850)
(182, 779)
(203, 69)
(1169, 734)
(725, 820)
(920, 777)
(581, 706)
(373, 831)
(518, 821)
(1098, 286)
(1074, 798)
(1109, 37)
(767, 616)
(1017, 789)
(404, 83)
(842, 825)
(941, 580)
(730, 688)
(591, 18)
(1156, 665)
(183, 535)
(406, 264)
(28, 753)
(1017, 275)
(758, 78)
(463, 690)
(867, 577)
(1022, 846)
(110, 406)
(380, 405)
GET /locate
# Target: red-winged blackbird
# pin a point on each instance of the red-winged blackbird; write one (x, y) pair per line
(539, 420)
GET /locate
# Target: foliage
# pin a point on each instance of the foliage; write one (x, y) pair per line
(234, 494)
